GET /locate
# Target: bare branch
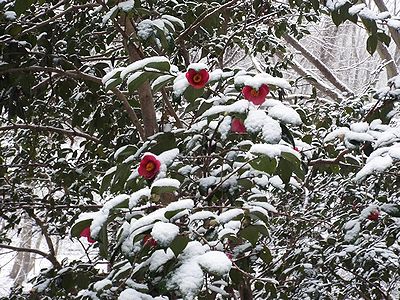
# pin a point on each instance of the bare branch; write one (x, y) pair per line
(51, 129)
(50, 258)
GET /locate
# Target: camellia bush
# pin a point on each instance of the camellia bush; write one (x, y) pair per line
(166, 136)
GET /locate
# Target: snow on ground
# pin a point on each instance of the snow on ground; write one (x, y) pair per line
(67, 249)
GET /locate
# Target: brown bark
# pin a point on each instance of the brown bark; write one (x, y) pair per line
(145, 94)
(391, 68)
(318, 64)
(393, 32)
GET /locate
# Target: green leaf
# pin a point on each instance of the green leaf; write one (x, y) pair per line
(384, 38)
(170, 214)
(112, 83)
(336, 18)
(284, 170)
(192, 94)
(265, 164)
(158, 190)
(162, 142)
(372, 43)
(266, 255)
(179, 244)
(250, 233)
(370, 25)
(79, 226)
(22, 5)
(138, 78)
(160, 84)
(287, 135)
(159, 65)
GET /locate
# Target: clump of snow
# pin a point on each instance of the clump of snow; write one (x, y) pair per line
(10, 15)
(113, 73)
(166, 182)
(240, 106)
(355, 9)
(335, 4)
(159, 258)
(258, 80)
(352, 229)
(140, 64)
(359, 127)
(164, 233)
(102, 284)
(188, 279)
(337, 133)
(265, 149)
(271, 131)
(394, 23)
(145, 29)
(197, 66)
(285, 114)
(376, 165)
(228, 215)
(215, 262)
(180, 205)
(202, 215)
(174, 20)
(135, 197)
(264, 205)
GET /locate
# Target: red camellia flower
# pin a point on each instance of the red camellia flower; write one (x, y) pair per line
(149, 166)
(86, 233)
(237, 126)
(257, 96)
(374, 215)
(197, 79)
(149, 241)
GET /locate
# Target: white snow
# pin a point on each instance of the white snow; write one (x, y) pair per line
(285, 114)
(202, 215)
(339, 132)
(145, 29)
(159, 258)
(166, 182)
(215, 262)
(376, 165)
(137, 65)
(197, 66)
(111, 74)
(174, 20)
(264, 205)
(164, 233)
(10, 15)
(240, 106)
(355, 9)
(228, 215)
(367, 211)
(352, 229)
(394, 23)
(359, 127)
(102, 284)
(180, 84)
(260, 79)
(181, 204)
(265, 149)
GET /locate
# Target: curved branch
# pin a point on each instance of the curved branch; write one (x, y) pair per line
(51, 129)
(49, 257)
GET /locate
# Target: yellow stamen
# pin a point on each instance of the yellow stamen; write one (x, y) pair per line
(254, 93)
(150, 166)
(197, 78)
